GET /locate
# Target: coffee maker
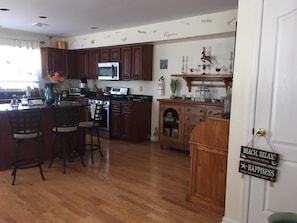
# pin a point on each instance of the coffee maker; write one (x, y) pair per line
(83, 87)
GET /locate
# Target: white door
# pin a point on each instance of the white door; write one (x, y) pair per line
(276, 110)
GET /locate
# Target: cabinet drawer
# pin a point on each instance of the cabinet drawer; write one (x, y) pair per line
(186, 138)
(194, 110)
(188, 128)
(126, 107)
(115, 106)
(193, 118)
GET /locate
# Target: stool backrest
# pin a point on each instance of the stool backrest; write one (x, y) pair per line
(67, 116)
(25, 121)
(98, 113)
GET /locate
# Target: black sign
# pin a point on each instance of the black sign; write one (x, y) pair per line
(256, 170)
(260, 156)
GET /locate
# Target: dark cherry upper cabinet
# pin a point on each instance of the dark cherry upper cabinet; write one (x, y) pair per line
(52, 59)
(93, 63)
(110, 54)
(82, 57)
(71, 63)
(137, 64)
(126, 63)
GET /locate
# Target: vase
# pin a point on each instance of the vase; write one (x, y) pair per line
(49, 93)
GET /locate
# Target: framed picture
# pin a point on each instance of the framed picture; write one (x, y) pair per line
(163, 64)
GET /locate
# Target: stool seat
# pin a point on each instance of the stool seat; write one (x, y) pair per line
(88, 124)
(32, 135)
(65, 129)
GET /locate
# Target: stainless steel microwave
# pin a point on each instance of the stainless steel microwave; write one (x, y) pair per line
(109, 71)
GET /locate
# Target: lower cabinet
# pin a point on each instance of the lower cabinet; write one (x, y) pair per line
(178, 117)
(208, 152)
(131, 120)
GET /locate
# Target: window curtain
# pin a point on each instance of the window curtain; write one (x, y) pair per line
(20, 63)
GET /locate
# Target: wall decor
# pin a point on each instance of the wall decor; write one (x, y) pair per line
(163, 64)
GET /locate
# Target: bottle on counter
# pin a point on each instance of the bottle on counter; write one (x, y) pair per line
(227, 103)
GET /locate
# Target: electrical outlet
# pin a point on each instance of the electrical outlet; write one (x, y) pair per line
(141, 88)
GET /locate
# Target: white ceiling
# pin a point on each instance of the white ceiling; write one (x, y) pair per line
(77, 17)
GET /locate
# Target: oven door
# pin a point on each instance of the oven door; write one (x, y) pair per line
(104, 122)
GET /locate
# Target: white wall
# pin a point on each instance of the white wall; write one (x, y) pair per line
(242, 108)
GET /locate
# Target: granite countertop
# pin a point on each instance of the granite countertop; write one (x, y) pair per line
(7, 106)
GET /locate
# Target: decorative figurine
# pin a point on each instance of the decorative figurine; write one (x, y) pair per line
(205, 59)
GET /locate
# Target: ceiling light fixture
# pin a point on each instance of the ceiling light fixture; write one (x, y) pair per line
(39, 24)
(42, 17)
(4, 9)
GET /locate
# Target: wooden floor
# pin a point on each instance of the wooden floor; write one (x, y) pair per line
(131, 183)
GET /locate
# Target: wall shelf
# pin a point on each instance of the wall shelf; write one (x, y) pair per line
(190, 78)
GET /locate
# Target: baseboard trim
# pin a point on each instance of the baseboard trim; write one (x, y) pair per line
(228, 220)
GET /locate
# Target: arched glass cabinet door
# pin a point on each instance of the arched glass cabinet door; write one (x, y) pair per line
(170, 123)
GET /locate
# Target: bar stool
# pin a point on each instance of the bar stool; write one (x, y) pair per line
(66, 126)
(93, 126)
(25, 126)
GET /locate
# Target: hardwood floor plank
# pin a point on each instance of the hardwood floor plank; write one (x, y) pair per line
(132, 183)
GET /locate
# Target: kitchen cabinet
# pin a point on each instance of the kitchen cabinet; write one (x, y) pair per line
(110, 54)
(82, 57)
(71, 63)
(137, 62)
(131, 120)
(93, 61)
(52, 59)
(208, 152)
(177, 119)
(126, 67)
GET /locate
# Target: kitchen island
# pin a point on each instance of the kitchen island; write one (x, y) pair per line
(47, 124)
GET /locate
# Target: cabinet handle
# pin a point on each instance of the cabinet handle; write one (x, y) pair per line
(201, 111)
(187, 118)
(188, 109)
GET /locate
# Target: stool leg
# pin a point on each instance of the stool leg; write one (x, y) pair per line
(39, 159)
(80, 150)
(98, 141)
(14, 167)
(92, 148)
(53, 150)
(65, 154)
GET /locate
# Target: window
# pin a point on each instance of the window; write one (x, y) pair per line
(20, 64)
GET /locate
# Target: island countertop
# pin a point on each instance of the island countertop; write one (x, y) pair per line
(47, 124)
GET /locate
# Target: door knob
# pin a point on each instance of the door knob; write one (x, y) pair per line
(260, 132)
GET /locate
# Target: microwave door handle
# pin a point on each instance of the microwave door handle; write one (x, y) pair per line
(112, 71)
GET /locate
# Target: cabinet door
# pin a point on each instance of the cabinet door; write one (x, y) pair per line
(137, 62)
(52, 60)
(115, 119)
(142, 61)
(115, 54)
(93, 63)
(82, 63)
(127, 121)
(170, 122)
(126, 63)
(104, 55)
(70, 60)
